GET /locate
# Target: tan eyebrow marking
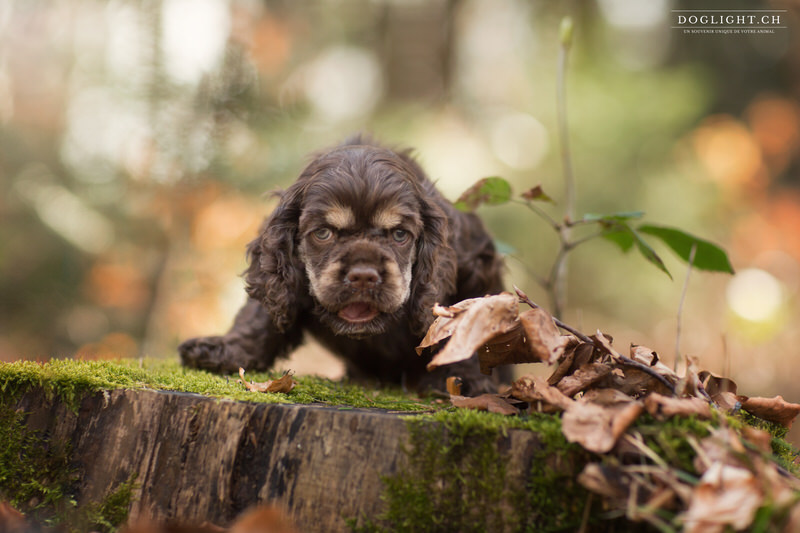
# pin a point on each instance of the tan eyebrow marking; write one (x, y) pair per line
(340, 217)
(387, 218)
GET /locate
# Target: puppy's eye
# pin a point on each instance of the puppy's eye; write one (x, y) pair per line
(399, 235)
(322, 234)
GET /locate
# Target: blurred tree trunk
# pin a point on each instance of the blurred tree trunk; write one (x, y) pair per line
(417, 48)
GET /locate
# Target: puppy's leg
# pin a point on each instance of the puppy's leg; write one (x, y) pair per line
(252, 343)
(474, 383)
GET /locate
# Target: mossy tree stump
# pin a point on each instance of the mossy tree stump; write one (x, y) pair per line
(199, 459)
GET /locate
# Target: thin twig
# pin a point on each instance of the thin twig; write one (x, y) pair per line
(680, 307)
(541, 213)
(524, 298)
(560, 267)
(566, 158)
(574, 244)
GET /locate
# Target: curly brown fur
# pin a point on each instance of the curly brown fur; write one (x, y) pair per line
(357, 252)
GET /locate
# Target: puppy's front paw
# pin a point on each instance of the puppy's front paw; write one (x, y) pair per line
(216, 354)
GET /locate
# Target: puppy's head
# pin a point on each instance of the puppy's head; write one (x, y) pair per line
(361, 234)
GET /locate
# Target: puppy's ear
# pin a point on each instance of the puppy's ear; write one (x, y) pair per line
(274, 275)
(435, 270)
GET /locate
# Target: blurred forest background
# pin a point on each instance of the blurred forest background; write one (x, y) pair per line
(138, 137)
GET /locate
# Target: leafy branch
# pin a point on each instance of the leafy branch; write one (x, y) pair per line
(619, 228)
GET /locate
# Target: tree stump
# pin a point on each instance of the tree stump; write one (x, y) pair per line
(202, 459)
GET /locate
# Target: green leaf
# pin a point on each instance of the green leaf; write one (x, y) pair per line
(490, 191)
(650, 254)
(708, 256)
(621, 237)
(624, 236)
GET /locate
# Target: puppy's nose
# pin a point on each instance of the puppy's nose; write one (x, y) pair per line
(363, 277)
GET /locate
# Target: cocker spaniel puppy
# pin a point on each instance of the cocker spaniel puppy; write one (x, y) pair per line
(357, 252)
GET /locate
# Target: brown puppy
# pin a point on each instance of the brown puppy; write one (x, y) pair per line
(358, 251)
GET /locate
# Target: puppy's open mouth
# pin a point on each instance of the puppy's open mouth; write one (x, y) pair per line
(358, 312)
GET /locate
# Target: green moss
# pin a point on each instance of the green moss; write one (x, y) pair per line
(70, 380)
(454, 478)
(553, 500)
(34, 472)
(669, 438)
(112, 512)
(36, 478)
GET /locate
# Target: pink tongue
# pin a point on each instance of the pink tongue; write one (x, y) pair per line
(358, 312)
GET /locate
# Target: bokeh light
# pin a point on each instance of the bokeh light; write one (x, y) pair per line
(755, 295)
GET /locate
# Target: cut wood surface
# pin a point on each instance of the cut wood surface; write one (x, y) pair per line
(201, 459)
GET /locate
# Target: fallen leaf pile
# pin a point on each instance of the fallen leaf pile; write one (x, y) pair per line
(601, 393)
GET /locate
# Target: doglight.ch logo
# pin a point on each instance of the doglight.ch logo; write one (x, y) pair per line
(731, 22)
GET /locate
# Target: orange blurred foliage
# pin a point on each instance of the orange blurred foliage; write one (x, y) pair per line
(775, 123)
(116, 284)
(270, 45)
(729, 152)
(115, 345)
(226, 221)
(190, 316)
(773, 225)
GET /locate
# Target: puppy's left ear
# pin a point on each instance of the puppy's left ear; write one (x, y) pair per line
(274, 275)
(435, 271)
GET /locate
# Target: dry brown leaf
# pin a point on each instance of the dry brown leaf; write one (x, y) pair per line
(605, 343)
(564, 366)
(774, 409)
(446, 312)
(535, 389)
(644, 355)
(485, 402)
(505, 349)
(583, 378)
(728, 401)
(283, 384)
(444, 325)
(715, 384)
(606, 397)
(536, 193)
(663, 407)
(690, 384)
(726, 496)
(482, 320)
(637, 381)
(11, 520)
(263, 519)
(648, 357)
(596, 427)
(633, 382)
(545, 341)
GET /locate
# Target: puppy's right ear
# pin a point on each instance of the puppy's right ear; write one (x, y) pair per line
(274, 275)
